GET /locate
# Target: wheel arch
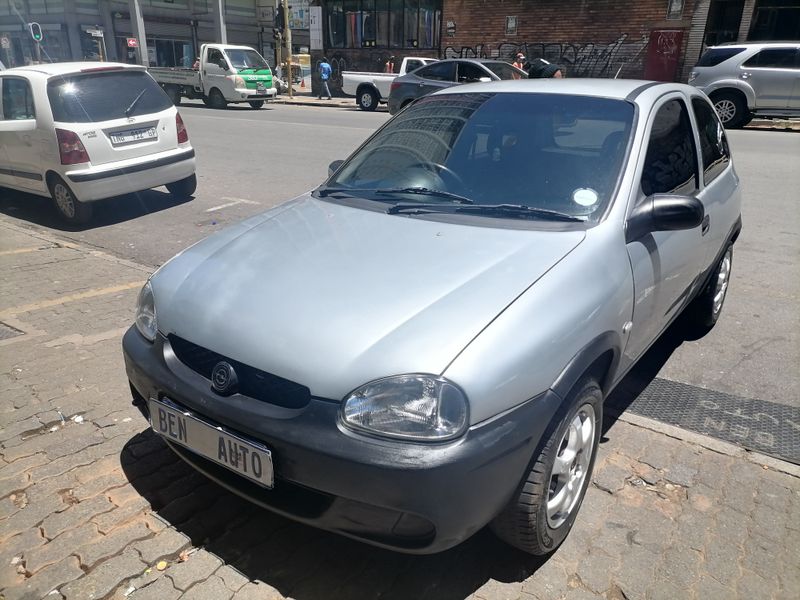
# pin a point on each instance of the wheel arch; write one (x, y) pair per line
(598, 359)
(366, 86)
(745, 91)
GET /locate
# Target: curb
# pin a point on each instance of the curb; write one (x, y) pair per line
(776, 124)
(683, 435)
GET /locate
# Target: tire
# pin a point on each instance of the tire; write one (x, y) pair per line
(368, 100)
(216, 99)
(704, 311)
(174, 93)
(183, 188)
(527, 523)
(732, 109)
(256, 103)
(69, 208)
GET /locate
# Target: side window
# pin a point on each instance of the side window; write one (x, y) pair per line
(713, 143)
(214, 56)
(671, 162)
(412, 65)
(774, 58)
(470, 72)
(17, 99)
(439, 72)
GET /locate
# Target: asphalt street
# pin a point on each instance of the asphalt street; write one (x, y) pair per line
(249, 161)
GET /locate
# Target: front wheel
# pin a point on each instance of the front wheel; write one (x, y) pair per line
(732, 109)
(216, 99)
(704, 311)
(368, 100)
(542, 511)
(70, 209)
(256, 104)
(183, 188)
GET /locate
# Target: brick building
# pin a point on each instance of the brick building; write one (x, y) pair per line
(658, 39)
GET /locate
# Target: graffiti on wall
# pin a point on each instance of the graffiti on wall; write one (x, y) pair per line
(588, 59)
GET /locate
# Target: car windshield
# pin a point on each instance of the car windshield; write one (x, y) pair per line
(550, 152)
(505, 70)
(103, 96)
(246, 59)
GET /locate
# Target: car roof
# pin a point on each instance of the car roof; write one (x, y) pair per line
(68, 68)
(474, 60)
(770, 44)
(621, 89)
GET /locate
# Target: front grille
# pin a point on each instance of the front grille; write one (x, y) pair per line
(252, 382)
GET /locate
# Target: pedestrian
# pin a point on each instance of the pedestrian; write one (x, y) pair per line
(519, 61)
(389, 66)
(324, 75)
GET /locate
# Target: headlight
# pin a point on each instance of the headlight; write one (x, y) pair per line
(146, 313)
(415, 407)
(238, 82)
(692, 76)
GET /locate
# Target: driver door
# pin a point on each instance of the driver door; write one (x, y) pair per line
(435, 77)
(666, 264)
(214, 76)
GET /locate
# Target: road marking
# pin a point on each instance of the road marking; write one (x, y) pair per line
(24, 250)
(232, 202)
(14, 310)
(86, 340)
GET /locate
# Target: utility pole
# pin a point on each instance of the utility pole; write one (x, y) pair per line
(288, 31)
(138, 31)
(220, 29)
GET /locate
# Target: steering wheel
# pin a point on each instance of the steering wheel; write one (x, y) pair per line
(438, 169)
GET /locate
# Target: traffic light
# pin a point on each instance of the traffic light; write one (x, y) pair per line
(279, 22)
(36, 31)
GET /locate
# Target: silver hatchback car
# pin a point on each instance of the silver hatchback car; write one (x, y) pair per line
(749, 80)
(422, 345)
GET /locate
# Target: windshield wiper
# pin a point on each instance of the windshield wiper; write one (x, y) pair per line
(129, 110)
(423, 191)
(493, 210)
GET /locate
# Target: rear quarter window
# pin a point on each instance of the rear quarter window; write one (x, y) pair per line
(714, 56)
(94, 97)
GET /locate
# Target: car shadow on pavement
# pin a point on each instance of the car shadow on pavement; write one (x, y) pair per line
(40, 211)
(301, 561)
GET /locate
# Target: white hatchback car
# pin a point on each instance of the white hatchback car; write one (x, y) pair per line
(81, 132)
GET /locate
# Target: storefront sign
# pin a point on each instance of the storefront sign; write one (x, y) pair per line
(133, 43)
(95, 32)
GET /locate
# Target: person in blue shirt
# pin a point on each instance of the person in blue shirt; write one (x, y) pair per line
(324, 75)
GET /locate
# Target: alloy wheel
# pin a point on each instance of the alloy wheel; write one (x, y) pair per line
(64, 200)
(726, 110)
(571, 466)
(723, 278)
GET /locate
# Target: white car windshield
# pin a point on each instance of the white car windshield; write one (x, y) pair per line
(547, 152)
(246, 59)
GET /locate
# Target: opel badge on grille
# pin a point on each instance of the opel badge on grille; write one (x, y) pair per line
(223, 379)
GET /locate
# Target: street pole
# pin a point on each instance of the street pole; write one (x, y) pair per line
(219, 21)
(288, 46)
(38, 52)
(138, 31)
(278, 52)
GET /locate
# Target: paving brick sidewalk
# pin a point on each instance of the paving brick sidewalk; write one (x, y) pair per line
(91, 502)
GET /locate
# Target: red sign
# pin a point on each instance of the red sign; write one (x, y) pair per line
(133, 43)
(663, 52)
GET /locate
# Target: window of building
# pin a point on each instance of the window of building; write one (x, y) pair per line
(774, 58)
(383, 23)
(713, 143)
(671, 162)
(17, 99)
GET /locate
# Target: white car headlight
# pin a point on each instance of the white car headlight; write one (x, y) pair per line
(415, 407)
(146, 313)
(238, 82)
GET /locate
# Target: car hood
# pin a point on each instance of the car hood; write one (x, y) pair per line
(333, 296)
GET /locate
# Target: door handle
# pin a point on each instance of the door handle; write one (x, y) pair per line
(706, 225)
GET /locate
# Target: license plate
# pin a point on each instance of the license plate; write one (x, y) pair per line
(247, 458)
(133, 135)
(260, 87)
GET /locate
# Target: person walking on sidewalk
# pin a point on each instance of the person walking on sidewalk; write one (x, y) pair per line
(324, 75)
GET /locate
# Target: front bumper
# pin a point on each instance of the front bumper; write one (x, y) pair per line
(248, 95)
(416, 498)
(105, 181)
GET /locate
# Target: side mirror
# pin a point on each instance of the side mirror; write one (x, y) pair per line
(18, 125)
(664, 212)
(334, 166)
(484, 79)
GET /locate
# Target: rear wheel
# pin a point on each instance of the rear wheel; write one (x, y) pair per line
(542, 512)
(256, 103)
(174, 93)
(216, 99)
(69, 208)
(368, 100)
(183, 188)
(731, 108)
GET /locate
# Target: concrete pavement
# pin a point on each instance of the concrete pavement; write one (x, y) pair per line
(93, 505)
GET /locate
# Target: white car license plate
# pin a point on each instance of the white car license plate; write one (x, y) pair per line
(248, 459)
(260, 87)
(134, 135)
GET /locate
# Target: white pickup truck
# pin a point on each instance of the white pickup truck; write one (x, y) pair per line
(372, 88)
(226, 74)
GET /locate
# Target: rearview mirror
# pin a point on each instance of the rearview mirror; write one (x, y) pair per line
(334, 166)
(664, 212)
(18, 125)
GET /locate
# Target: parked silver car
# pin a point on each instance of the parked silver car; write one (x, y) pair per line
(422, 345)
(749, 80)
